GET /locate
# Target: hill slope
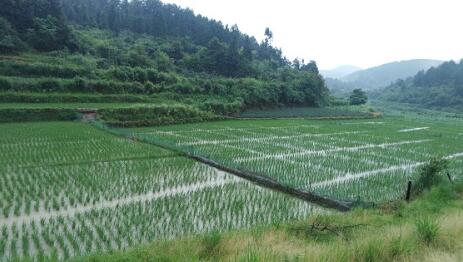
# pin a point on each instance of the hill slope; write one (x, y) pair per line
(148, 49)
(383, 75)
(440, 88)
(340, 71)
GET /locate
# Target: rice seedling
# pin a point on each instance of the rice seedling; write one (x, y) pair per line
(369, 160)
(68, 189)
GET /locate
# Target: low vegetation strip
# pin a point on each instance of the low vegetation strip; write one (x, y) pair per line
(117, 115)
(33, 115)
(309, 112)
(154, 115)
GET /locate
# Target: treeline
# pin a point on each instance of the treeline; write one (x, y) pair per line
(154, 115)
(249, 92)
(38, 24)
(166, 20)
(144, 48)
(438, 87)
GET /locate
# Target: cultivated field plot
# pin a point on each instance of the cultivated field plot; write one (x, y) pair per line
(68, 189)
(369, 160)
(308, 112)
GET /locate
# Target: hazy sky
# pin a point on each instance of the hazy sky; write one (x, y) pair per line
(338, 32)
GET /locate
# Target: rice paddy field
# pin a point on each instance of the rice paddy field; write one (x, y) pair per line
(368, 160)
(310, 112)
(69, 190)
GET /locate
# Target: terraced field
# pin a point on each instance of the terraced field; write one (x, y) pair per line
(347, 160)
(69, 189)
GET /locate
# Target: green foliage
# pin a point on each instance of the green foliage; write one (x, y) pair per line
(28, 115)
(70, 98)
(154, 115)
(39, 23)
(309, 112)
(47, 34)
(358, 97)
(427, 230)
(142, 59)
(437, 88)
(210, 243)
(9, 39)
(399, 246)
(336, 101)
(40, 69)
(430, 174)
(222, 108)
(4, 84)
(380, 76)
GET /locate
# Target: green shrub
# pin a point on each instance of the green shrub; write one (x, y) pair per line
(71, 98)
(210, 244)
(50, 85)
(9, 38)
(222, 108)
(21, 69)
(151, 88)
(399, 247)
(427, 230)
(430, 174)
(4, 84)
(372, 252)
(35, 115)
(154, 115)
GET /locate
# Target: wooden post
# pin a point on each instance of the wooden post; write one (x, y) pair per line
(450, 177)
(409, 190)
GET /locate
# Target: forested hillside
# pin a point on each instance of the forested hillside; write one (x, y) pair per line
(380, 76)
(145, 49)
(440, 87)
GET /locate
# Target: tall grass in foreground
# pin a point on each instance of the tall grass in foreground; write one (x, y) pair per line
(427, 230)
(392, 234)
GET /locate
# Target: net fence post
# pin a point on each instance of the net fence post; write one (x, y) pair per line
(409, 191)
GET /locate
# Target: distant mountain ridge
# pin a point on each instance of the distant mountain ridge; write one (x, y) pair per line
(380, 76)
(340, 71)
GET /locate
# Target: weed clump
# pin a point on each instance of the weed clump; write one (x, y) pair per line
(210, 245)
(430, 175)
(427, 230)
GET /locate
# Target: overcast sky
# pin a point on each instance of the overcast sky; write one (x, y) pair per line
(364, 33)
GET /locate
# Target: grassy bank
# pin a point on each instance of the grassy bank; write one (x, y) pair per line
(428, 229)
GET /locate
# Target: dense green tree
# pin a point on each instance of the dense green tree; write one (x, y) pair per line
(39, 22)
(310, 67)
(9, 39)
(358, 97)
(268, 36)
